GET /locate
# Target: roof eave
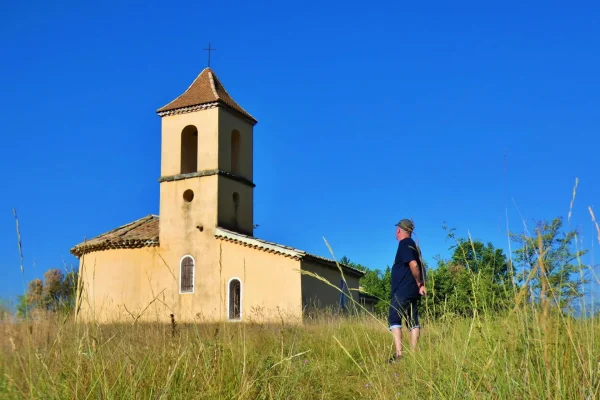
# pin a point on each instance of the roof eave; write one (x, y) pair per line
(346, 269)
(255, 243)
(97, 244)
(368, 296)
(166, 111)
(81, 250)
(271, 247)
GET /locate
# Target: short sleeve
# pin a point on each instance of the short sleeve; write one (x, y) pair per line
(408, 252)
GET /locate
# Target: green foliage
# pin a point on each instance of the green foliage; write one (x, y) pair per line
(378, 284)
(56, 293)
(450, 290)
(562, 262)
(374, 283)
(23, 308)
(479, 277)
(346, 261)
(475, 277)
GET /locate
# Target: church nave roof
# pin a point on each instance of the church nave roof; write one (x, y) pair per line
(140, 233)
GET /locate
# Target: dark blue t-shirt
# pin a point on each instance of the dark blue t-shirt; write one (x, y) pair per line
(404, 285)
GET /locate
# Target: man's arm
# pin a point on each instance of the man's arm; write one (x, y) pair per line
(411, 255)
(414, 268)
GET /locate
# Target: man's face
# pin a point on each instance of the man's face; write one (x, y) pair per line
(401, 234)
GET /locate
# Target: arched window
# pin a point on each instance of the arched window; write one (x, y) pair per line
(236, 206)
(186, 275)
(235, 152)
(189, 149)
(234, 302)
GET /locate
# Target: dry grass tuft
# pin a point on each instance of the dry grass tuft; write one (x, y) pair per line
(330, 356)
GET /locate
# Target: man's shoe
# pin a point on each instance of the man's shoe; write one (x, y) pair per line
(394, 358)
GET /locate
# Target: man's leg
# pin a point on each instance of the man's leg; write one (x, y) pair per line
(397, 335)
(415, 331)
(395, 324)
(414, 338)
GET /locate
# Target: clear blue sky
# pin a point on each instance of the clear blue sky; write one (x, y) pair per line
(367, 114)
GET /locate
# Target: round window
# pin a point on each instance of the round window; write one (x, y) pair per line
(188, 195)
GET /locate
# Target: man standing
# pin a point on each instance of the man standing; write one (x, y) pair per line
(408, 285)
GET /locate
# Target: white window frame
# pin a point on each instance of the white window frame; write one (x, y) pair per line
(229, 298)
(193, 274)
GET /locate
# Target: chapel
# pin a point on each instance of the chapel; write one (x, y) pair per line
(198, 259)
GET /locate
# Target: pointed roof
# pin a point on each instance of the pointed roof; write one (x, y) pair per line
(206, 89)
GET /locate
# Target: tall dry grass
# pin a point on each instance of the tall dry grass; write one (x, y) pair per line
(532, 351)
(332, 357)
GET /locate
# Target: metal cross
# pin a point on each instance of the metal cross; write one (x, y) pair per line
(209, 50)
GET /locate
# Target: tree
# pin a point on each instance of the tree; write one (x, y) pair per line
(378, 284)
(346, 261)
(556, 278)
(476, 276)
(449, 290)
(55, 294)
(477, 256)
(374, 282)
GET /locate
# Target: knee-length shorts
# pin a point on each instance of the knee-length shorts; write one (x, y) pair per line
(403, 310)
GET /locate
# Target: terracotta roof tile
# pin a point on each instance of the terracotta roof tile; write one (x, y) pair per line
(140, 233)
(255, 243)
(205, 89)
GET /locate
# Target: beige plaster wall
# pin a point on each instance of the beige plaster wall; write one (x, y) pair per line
(180, 236)
(270, 283)
(215, 127)
(122, 283)
(318, 294)
(207, 123)
(115, 284)
(228, 122)
(179, 219)
(226, 213)
(147, 280)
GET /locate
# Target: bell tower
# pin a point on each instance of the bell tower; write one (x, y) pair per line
(206, 163)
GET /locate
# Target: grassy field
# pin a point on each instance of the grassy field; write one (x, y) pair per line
(523, 354)
(527, 352)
